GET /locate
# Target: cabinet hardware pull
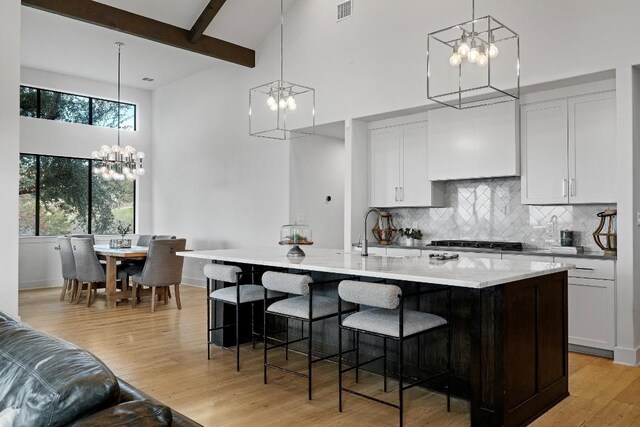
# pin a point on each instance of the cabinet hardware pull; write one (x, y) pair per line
(585, 268)
(396, 194)
(564, 187)
(572, 187)
(402, 194)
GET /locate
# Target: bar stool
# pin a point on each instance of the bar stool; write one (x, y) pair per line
(389, 320)
(246, 294)
(304, 307)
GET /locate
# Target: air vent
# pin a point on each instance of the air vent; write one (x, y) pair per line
(345, 9)
(147, 79)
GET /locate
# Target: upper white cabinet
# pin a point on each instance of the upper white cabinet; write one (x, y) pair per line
(545, 172)
(569, 150)
(474, 143)
(398, 168)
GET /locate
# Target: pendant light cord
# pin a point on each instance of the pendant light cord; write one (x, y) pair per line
(119, 66)
(281, 40)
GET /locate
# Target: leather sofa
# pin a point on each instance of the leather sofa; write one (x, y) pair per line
(54, 383)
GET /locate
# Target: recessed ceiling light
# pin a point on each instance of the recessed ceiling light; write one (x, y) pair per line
(147, 79)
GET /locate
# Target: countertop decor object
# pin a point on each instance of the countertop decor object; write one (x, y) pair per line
(411, 236)
(610, 247)
(566, 237)
(122, 243)
(384, 230)
(118, 163)
(279, 109)
(296, 235)
(474, 63)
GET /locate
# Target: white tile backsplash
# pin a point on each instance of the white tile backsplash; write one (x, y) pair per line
(490, 209)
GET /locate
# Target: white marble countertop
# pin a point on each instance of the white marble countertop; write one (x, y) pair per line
(465, 272)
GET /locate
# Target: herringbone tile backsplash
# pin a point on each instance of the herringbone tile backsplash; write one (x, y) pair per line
(491, 210)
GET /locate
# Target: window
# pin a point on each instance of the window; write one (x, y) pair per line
(67, 107)
(60, 195)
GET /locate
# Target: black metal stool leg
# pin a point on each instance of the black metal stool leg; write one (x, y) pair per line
(253, 331)
(384, 347)
(209, 332)
(286, 339)
(238, 337)
(264, 335)
(309, 364)
(339, 368)
(357, 342)
(400, 378)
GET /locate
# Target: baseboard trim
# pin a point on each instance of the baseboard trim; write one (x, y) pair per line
(40, 284)
(626, 356)
(194, 281)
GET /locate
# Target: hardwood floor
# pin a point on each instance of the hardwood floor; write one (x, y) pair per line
(165, 355)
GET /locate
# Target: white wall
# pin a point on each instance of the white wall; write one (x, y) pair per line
(9, 140)
(38, 136)
(375, 61)
(317, 171)
(212, 183)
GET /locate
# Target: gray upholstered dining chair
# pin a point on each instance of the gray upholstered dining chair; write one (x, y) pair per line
(163, 237)
(84, 236)
(163, 268)
(144, 239)
(68, 267)
(89, 271)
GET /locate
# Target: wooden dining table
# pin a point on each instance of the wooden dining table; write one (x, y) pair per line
(112, 256)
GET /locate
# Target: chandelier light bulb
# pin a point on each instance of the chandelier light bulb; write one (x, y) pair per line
(455, 59)
(140, 171)
(105, 149)
(273, 107)
(95, 155)
(291, 102)
(271, 101)
(96, 170)
(282, 103)
(141, 155)
(482, 60)
(473, 53)
(115, 149)
(106, 177)
(463, 49)
(103, 169)
(126, 170)
(493, 51)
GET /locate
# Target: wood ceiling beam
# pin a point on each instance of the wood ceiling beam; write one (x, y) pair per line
(205, 19)
(120, 20)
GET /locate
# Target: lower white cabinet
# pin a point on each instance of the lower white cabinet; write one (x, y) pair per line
(592, 313)
(412, 252)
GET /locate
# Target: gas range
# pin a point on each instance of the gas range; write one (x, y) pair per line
(478, 244)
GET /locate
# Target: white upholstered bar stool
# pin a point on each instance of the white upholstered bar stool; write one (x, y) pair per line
(389, 320)
(304, 306)
(245, 294)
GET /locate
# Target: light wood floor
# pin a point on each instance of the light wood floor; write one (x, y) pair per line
(164, 354)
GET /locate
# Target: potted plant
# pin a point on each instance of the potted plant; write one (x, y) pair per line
(410, 236)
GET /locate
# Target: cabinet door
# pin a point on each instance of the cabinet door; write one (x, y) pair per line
(592, 313)
(400, 252)
(415, 187)
(545, 172)
(385, 166)
(593, 148)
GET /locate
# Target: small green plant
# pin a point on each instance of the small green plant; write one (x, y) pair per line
(411, 233)
(122, 230)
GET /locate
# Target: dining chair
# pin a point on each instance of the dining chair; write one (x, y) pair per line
(68, 268)
(144, 239)
(89, 271)
(84, 236)
(162, 269)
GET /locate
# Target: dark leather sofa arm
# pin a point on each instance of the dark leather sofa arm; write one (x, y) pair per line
(129, 393)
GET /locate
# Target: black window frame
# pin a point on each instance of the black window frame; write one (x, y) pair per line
(89, 194)
(90, 98)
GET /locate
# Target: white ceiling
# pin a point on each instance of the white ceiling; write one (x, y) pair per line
(54, 43)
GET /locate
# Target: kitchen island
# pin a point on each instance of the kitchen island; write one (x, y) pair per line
(508, 319)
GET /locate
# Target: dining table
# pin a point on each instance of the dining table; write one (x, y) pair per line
(112, 256)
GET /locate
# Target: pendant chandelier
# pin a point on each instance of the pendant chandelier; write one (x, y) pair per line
(117, 163)
(474, 63)
(280, 109)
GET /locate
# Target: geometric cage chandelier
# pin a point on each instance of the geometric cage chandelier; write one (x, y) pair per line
(118, 163)
(474, 63)
(282, 110)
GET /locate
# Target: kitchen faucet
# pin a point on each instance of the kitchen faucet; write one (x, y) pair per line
(365, 243)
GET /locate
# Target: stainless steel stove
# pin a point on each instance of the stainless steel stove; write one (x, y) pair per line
(478, 244)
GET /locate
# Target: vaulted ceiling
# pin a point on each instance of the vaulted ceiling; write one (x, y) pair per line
(56, 43)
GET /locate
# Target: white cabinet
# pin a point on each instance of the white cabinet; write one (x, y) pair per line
(545, 164)
(592, 149)
(474, 143)
(398, 168)
(591, 302)
(530, 258)
(569, 150)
